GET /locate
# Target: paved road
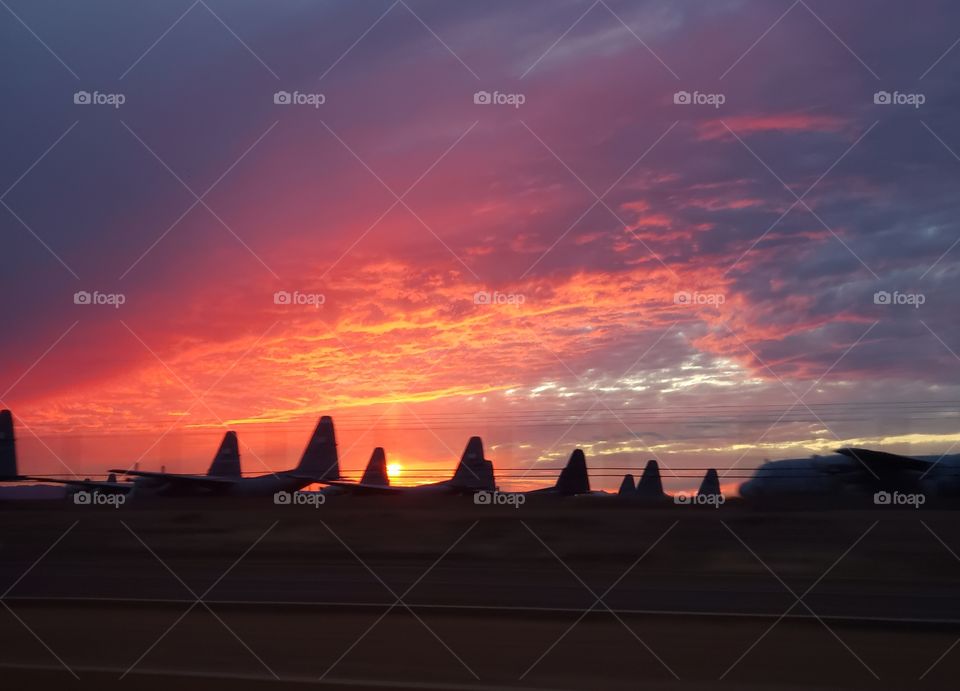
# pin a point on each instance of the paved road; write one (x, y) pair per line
(491, 592)
(495, 649)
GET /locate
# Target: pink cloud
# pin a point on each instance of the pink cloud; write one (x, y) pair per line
(783, 123)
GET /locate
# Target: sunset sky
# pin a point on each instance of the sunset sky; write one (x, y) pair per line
(780, 209)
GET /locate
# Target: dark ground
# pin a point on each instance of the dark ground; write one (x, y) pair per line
(490, 597)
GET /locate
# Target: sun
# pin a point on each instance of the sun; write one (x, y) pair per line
(394, 469)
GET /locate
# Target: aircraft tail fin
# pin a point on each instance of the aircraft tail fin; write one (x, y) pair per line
(627, 487)
(474, 472)
(710, 487)
(8, 447)
(650, 485)
(227, 461)
(376, 471)
(574, 478)
(320, 459)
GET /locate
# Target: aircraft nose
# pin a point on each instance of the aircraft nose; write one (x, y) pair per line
(749, 489)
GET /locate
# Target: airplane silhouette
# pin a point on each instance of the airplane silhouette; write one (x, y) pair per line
(319, 462)
(473, 473)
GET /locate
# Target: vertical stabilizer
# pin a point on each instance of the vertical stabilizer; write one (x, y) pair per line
(8, 447)
(474, 472)
(650, 485)
(376, 472)
(627, 487)
(320, 459)
(710, 487)
(574, 478)
(227, 461)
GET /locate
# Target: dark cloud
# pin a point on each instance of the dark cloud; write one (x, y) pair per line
(504, 198)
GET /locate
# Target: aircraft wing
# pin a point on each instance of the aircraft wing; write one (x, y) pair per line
(89, 484)
(174, 478)
(362, 488)
(883, 462)
(313, 479)
(541, 490)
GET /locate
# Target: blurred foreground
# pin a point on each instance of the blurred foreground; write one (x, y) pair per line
(561, 593)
